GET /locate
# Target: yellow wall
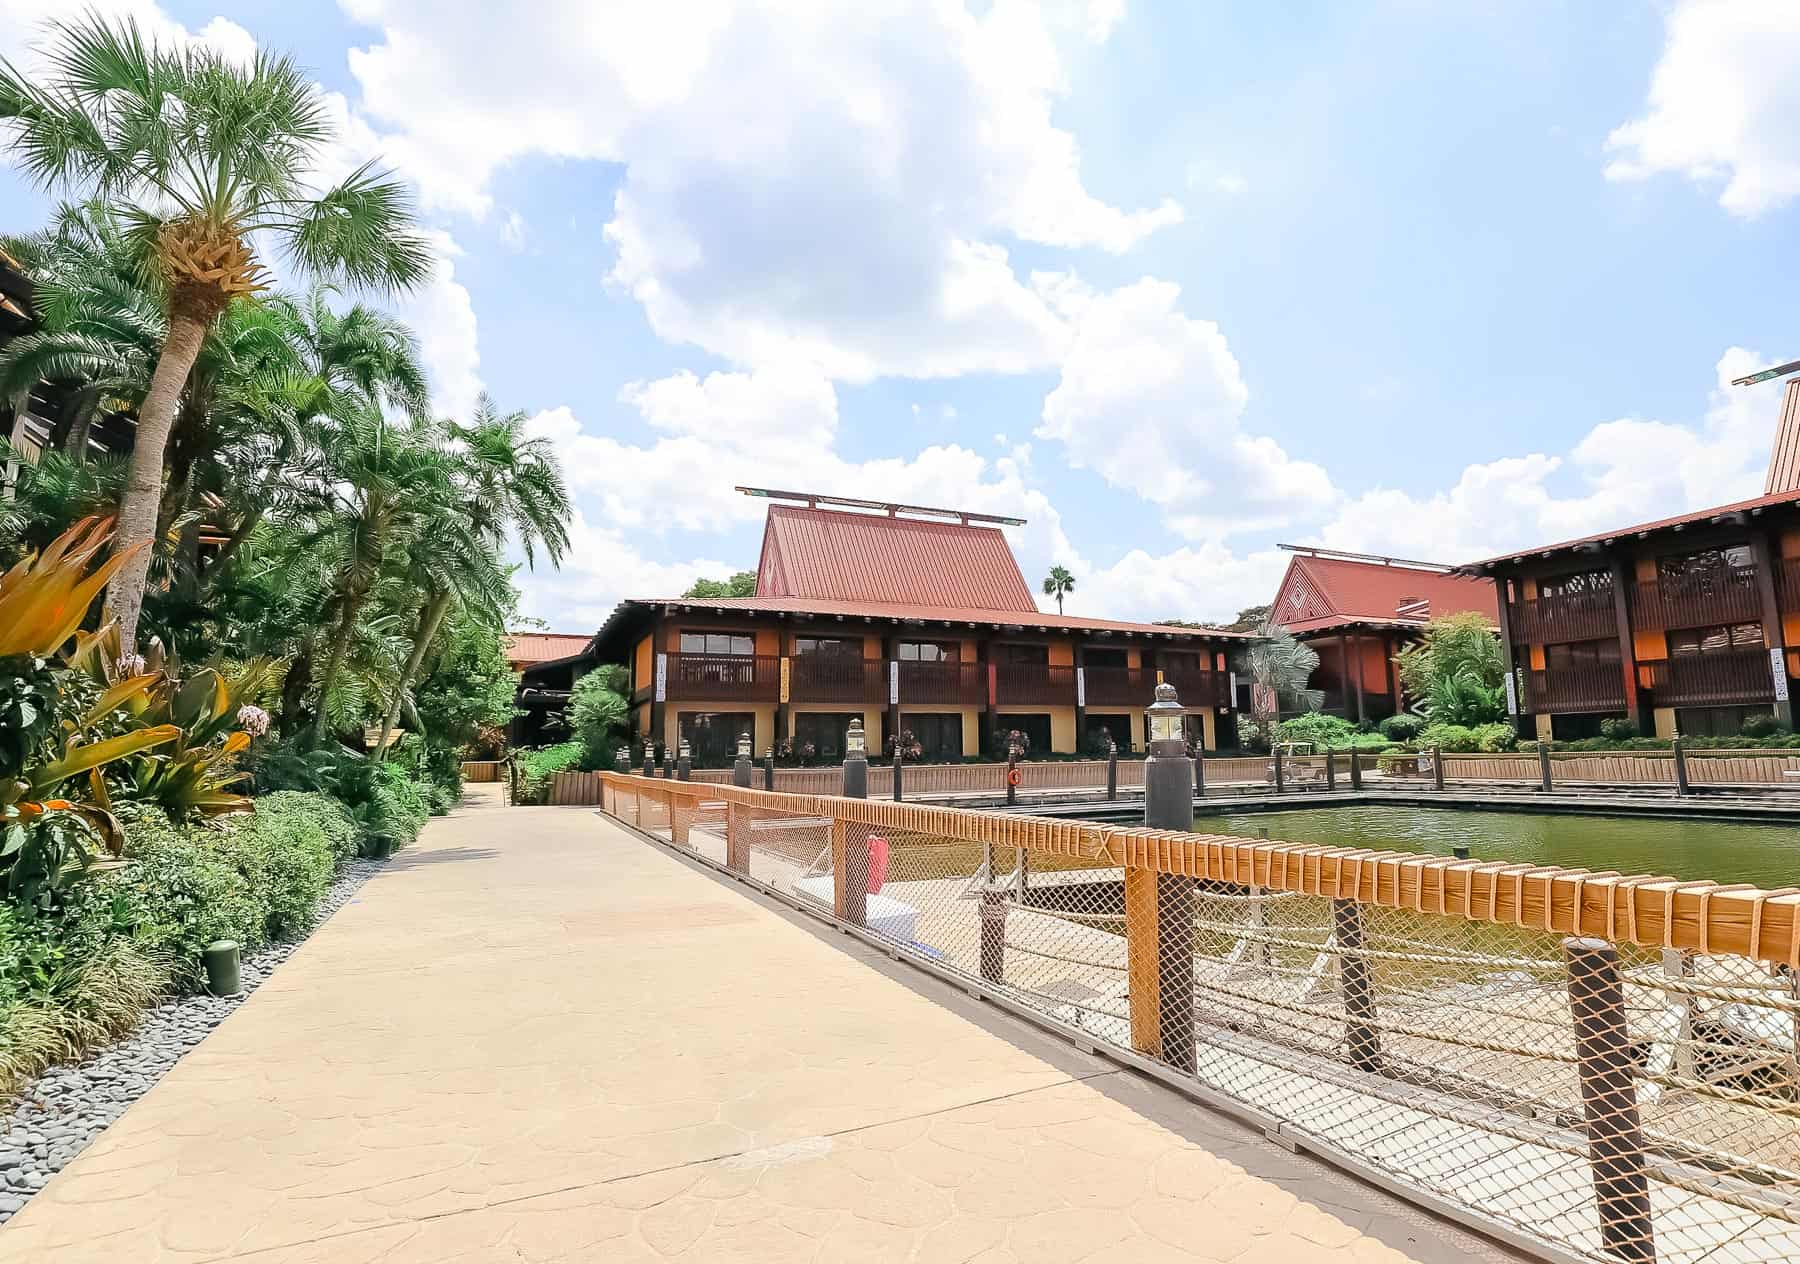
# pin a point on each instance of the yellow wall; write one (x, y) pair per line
(1209, 730)
(643, 670)
(1062, 725)
(641, 721)
(1664, 718)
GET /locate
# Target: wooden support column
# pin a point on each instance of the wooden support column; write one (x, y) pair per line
(850, 871)
(1767, 558)
(1390, 645)
(1361, 711)
(1506, 644)
(1344, 670)
(737, 839)
(1627, 646)
(1142, 975)
(1361, 1034)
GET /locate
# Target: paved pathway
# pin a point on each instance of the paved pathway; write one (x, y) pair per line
(536, 1037)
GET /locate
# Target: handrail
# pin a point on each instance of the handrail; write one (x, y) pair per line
(1653, 911)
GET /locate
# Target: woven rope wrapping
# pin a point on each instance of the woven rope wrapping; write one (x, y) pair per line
(1656, 912)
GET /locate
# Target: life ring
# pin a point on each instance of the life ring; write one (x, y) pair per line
(1012, 777)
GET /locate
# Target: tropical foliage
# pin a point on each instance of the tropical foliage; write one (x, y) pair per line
(1456, 671)
(1059, 584)
(1279, 668)
(742, 584)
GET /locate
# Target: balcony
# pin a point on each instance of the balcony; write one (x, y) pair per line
(1584, 687)
(1551, 620)
(1698, 599)
(724, 678)
(1787, 584)
(1708, 680)
(836, 678)
(943, 684)
(1199, 687)
(1119, 686)
(1034, 685)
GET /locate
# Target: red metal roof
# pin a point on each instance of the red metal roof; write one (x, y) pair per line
(525, 648)
(1326, 592)
(1755, 503)
(821, 554)
(917, 613)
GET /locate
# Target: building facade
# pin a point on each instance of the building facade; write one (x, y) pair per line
(1357, 611)
(1683, 624)
(915, 621)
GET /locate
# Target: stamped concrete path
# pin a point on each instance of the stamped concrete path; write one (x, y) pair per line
(536, 1037)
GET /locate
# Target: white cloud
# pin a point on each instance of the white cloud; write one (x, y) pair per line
(1153, 401)
(1722, 104)
(853, 218)
(23, 27)
(512, 232)
(442, 316)
(1625, 471)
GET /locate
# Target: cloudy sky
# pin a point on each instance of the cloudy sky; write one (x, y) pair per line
(1174, 280)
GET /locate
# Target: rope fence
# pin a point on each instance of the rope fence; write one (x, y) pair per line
(1599, 1064)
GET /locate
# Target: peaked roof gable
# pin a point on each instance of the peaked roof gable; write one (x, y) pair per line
(1324, 592)
(831, 555)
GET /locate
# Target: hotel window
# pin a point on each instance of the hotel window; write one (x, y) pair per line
(940, 734)
(712, 735)
(1022, 655)
(1582, 654)
(741, 644)
(824, 731)
(1706, 562)
(1717, 640)
(1573, 585)
(1104, 658)
(829, 646)
(928, 651)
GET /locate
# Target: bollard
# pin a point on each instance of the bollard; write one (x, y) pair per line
(1159, 912)
(993, 935)
(1360, 1032)
(684, 763)
(668, 764)
(1012, 776)
(1604, 1062)
(221, 961)
(1544, 764)
(1437, 767)
(899, 763)
(1199, 776)
(1278, 781)
(622, 761)
(1330, 769)
(1681, 781)
(1355, 769)
(1112, 770)
(741, 768)
(856, 762)
(649, 759)
(769, 769)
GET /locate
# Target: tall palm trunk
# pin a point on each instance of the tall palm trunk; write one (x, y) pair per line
(429, 622)
(142, 500)
(340, 649)
(221, 560)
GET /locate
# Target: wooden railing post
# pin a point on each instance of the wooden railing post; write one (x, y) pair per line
(737, 839)
(681, 819)
(1143, 976)
(1355, 769)
(1330, 769)
(1199, 776)
(850, 871)
(1544, 764)
(1437, 768)
(1278, 781)
(1604, 1061)
(1360, 1032)
(1681, 777)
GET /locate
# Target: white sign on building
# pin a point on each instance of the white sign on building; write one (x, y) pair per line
(1778, 672)
(1512, 694)
(662, 677)
(893, 682)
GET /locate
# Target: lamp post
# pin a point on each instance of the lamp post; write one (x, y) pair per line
(769, 769)
(649, 758)
(741, 770)
(1112, 768)
(668, 761)
(1012, 768)
(684, 763)
(622, 760)
(1168, 804)
(899, 763)
(856, 762)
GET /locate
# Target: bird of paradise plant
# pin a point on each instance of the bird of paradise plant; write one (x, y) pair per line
(54, 817)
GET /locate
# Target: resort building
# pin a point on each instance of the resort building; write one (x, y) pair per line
(1682, 624)
(916, 621)
(1356, 611)
(555, 660)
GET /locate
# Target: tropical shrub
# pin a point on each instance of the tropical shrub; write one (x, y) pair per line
(1468, 739)
(1458, 669)
(1618, 729)
(537, 768)
(286, 858)
(1328, 732)
(598, 712)
(1401, 728)
(1761, 724)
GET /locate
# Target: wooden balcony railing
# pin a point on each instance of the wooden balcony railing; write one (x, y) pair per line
(724, 677)
(1587, 687)
(1698, 599)
(1787, 584)
(836, 678)
(1705, 680)
(1584, 616)
(1199, 688)
(1034, 684)
(943, 684)
(1119, 686)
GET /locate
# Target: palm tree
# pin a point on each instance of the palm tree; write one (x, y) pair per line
(1057, 584)
(199, 157)
(1280, 668)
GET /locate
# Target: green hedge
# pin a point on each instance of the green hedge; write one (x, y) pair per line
(537, 768)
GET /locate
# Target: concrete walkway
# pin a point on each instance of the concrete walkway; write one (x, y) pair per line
(536, 1037)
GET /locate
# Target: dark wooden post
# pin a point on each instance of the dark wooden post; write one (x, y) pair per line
(993, 935)
(1767, 559)
(1355, 769)
(1501, 584)
(1199, 776)
(898, 762)
(1278, 779)
(1159, 907)
(1360, 1033)
(1112, 769)
(1437, 767)
(1361, 710)
(1604, 1061)
(768, 770)
(1544, 765)
(1627, 647)
(1681, 780)
(1330, 769)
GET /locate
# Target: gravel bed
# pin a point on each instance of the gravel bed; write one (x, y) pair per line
(56, 1115)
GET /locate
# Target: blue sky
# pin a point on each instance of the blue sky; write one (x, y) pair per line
(1175, 281)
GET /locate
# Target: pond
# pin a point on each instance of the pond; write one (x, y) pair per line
(1725, 851)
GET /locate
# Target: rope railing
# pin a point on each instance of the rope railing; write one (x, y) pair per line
(1600, 1064)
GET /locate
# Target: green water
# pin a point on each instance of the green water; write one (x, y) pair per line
(1725, 851)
